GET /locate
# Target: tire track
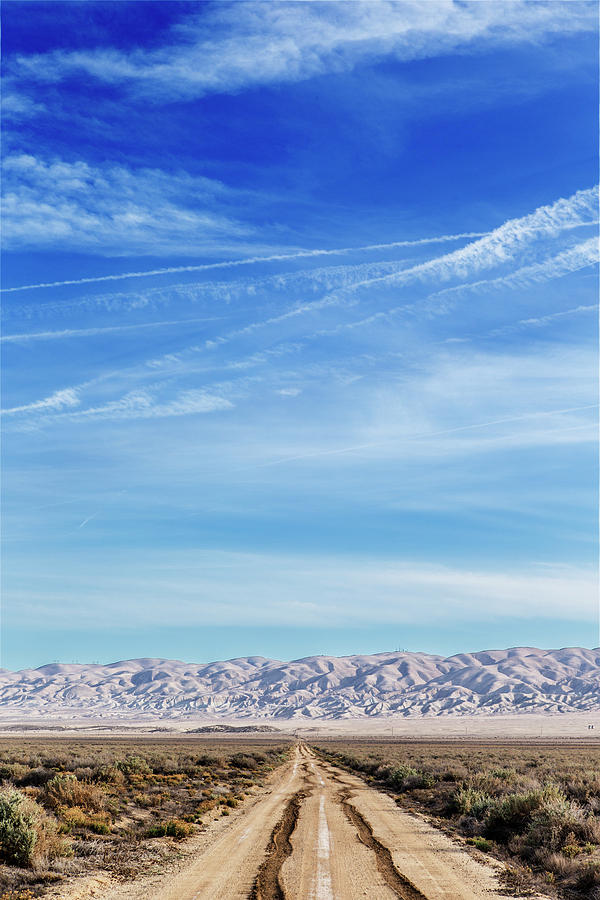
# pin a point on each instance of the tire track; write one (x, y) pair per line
(404, 888)
(267, 885)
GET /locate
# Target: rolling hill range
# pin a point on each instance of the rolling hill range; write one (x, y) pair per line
(522, 679)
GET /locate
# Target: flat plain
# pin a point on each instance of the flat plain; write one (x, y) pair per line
(268, 815)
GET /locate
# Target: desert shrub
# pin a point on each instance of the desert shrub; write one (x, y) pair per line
(571, 848)
(504, 774)
(133, 765)
(99, 827)
(418, 780)
(206, 805)
(481, 843)
(404, 778)
(541, 805)
(211, 761)
(512, 814)
(109, 774)
(557, 864)
(66, 790)
(589, 879)
(175, 828)
(591, 829)
(243, 761)
(518, 880)
(469, 825)
(12, 771)
(557, 822)
(36, 777)
(399, 773)
(206, 759)
(18, 835)
(17, 894)
(472, 802)
(28, 836)
(75, 817)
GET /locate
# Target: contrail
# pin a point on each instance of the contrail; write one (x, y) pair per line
(233, 263)
(92, 332)
(427, 434)
(89, 519)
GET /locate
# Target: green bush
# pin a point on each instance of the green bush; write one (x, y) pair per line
(12, 771)
(405, 778)
(28, 836)
(399, 773)
(557, 823)
(471, 802)
(18, 835)
(134, 765)
(173, 828)
(481, 843)
(513, 813)
(110, 775)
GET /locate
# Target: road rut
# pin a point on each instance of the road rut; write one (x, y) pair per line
(322, 834)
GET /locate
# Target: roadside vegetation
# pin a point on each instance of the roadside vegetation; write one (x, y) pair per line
(536, 808)
(69, 807)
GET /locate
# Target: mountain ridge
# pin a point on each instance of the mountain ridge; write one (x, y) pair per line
(403, 683)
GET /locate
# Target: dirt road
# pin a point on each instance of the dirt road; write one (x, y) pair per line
(321, 834)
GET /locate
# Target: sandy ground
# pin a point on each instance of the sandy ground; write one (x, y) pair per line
(315, 833)
(526, 726)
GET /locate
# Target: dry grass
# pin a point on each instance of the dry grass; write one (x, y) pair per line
(537, 808)
(116, 805)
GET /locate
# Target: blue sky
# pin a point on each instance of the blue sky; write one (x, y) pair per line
(299, 328)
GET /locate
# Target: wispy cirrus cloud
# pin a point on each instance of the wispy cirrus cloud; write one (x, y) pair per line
(144, 404)
(506, 243)
(113, 210)
(299, 588)
(18, 105)
(539, 321)
(253, 260)
(136, 404)
(582, 255)
(68, 397)
(502, 247)
(231, 46)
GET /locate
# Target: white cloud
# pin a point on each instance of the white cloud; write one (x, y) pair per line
(219, 587)
(505, 243)
(16, 105)
(289, 392)
(571, 260)
(143, 404)
(56, 401)
(500, 247)
(233, 46)
(277, 257)
(450, 406)
(116, 211)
